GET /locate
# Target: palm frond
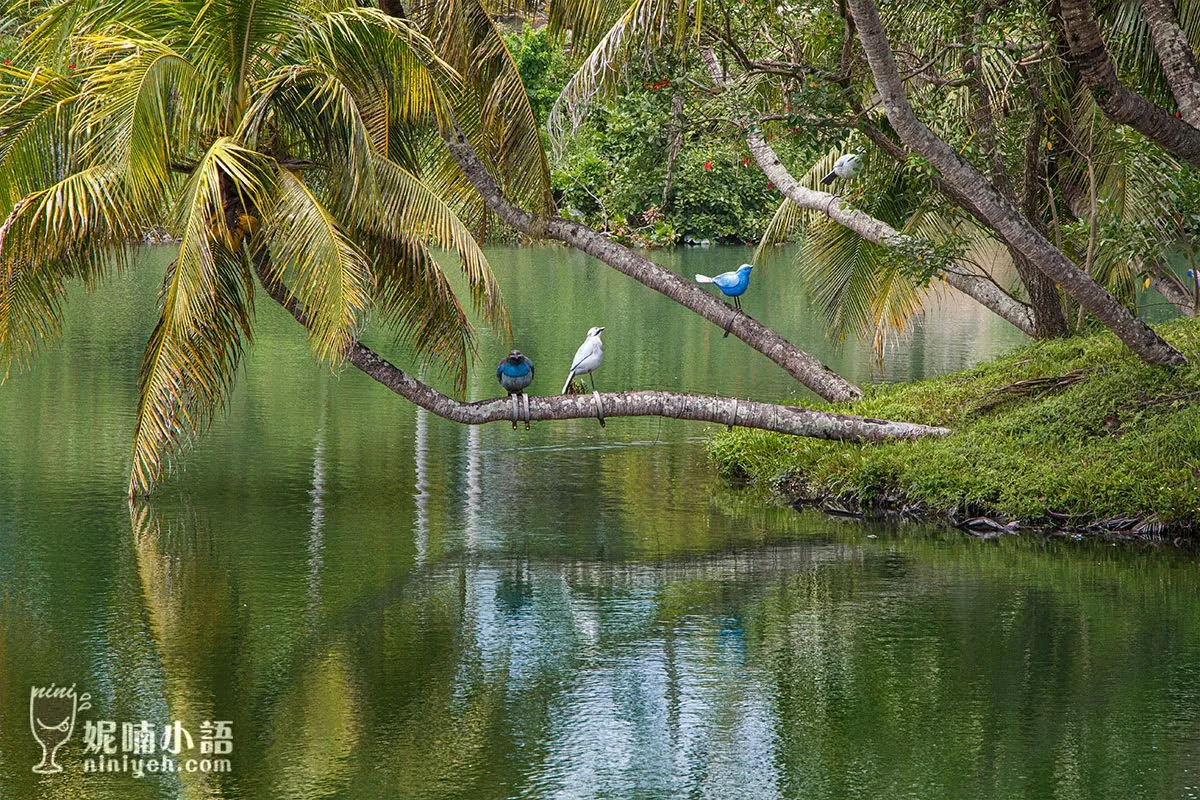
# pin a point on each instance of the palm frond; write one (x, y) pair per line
(414, 299)
(493, 109)
(70, 230)
(411, 210)
(205, 312)
(644, 24)
(322, 268)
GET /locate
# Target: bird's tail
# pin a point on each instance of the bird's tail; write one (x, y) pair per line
(703, 279)
(567, 385)
(830, 178)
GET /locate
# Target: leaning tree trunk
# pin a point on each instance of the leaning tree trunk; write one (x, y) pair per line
(977, 287)
(1176, 57)
(803, 366)
(1116, 100)
(1018, 232)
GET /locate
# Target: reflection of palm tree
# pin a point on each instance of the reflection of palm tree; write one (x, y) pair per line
(421, 489)
(316, 534)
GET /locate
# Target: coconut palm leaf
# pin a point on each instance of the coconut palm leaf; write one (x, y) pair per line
(493, 109)
(322, 268)
(205, 312)
(410, 210)
(71, 229)
(644, 24)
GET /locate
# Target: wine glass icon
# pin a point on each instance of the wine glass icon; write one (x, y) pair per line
(52, 720)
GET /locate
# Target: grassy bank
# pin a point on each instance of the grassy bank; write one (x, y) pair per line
(1071, 433)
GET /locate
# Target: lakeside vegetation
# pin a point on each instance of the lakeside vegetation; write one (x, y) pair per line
(1066, 433)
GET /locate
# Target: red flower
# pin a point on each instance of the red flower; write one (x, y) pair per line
(745, 162)
(770, 186)
(70, 66)
(666, 82)
(657, 86)
(1178, 115)
(708, 166)
(7, 61)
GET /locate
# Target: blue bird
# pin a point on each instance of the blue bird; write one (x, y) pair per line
(1191, 273)
(515, 372)
(731, 284)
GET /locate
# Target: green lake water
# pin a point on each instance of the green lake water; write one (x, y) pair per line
(385, 605)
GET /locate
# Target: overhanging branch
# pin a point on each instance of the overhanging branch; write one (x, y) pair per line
(981, 289)
(703, 408)
(802, 365)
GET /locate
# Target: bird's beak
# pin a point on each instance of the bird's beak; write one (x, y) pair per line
(600, 331)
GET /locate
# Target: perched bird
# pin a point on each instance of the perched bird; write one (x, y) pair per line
(845, 168)
(1191, 273)
(587, 359)
(515, 372)
(732, 284)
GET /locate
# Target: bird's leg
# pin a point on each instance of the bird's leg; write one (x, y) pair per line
(514, 402)
(599, 406)
(525, 402)
(729, 324)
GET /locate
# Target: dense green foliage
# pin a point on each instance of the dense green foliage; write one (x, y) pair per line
(646, 164)
(1124, 439)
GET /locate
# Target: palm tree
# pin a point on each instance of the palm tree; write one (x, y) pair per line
(274, 138)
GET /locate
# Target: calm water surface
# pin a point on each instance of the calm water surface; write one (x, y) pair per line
(385, 605)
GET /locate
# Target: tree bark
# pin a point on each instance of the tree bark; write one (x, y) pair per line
(979, 288)
(1018, 232)
(1175, 295)
(703, 408)
(801, 365)
(1117, 101)
(1049, 320)
(1176, 57)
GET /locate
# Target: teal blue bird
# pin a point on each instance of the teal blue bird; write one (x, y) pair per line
(732, 284)
(515, 373)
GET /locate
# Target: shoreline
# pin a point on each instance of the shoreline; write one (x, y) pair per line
(1071, 437)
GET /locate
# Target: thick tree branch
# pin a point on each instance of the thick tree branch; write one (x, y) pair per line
(1018, 232)
(803, 366)
(1116, 100)
(1175, 294)
(702, 408)
(1176, 57)
(874, 230)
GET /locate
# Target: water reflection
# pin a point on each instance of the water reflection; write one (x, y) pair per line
(387, 605)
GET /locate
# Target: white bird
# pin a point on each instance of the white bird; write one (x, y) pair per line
(587, 359)
(845, 168)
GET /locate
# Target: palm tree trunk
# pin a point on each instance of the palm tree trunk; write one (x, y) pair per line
(728, 411)
(1018, 232)
(1116, 100)
(1176, 57)
(801, 365)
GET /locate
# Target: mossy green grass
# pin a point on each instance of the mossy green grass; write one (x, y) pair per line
(1068, 433)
